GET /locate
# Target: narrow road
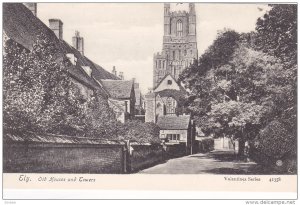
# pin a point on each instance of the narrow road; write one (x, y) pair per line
(215, 162)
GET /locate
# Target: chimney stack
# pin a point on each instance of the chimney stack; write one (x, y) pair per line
(121, 75)
(32, 7)
(56, 25)
(78, 42)
(114, 71)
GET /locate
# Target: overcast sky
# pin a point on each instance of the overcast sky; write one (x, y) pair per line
(126, 35)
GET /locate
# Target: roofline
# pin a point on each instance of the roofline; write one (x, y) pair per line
(163, 79)
(175, 129)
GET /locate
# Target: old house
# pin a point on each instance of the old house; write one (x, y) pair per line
(21, 25)
(121, 98)
(177, 130)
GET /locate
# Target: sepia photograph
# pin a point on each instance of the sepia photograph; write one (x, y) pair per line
(150, 88)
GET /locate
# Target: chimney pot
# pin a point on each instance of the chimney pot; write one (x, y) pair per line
(32, 7)
(78, 42)
(56, 25)
(114, 71)
(121, 75)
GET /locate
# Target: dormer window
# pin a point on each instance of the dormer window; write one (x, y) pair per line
(88, 70)
(72, 58)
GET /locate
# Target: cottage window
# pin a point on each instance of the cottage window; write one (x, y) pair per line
(173, 137)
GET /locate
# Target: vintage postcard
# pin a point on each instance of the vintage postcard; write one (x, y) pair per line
(183, 97)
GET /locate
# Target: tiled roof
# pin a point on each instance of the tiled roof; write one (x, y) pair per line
(118, 89)
(23, 27)
(173, 122)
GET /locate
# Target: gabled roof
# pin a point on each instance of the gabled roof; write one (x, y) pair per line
(173, 122)
(118, 89)
(20, 25)
(164, 79)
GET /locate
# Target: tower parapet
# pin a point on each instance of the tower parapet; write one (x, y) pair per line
(179, 43)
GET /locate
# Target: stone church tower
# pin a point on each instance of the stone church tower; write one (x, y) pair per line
(179, 43)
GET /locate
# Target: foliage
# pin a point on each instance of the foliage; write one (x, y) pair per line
(275, 140)
(277, 32)
(100, 119)
(40, 96)
(136, 130)
(245, 81)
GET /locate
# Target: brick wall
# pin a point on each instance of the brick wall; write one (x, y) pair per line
(62, 158)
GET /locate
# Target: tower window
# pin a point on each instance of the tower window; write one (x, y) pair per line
(179, 28)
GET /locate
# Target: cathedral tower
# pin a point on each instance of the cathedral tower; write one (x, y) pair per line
(179, 43)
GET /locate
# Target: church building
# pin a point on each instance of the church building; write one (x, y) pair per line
(179, 43)
(178, 52)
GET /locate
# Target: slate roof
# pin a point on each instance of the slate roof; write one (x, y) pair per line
(173, 122)
(23, 27)
(118, 89)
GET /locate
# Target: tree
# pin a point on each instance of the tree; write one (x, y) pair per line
(277, 32)
(240, 94)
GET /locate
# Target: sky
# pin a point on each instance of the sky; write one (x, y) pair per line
(126, 35)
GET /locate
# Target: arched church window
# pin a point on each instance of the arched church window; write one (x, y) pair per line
(179, 28)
